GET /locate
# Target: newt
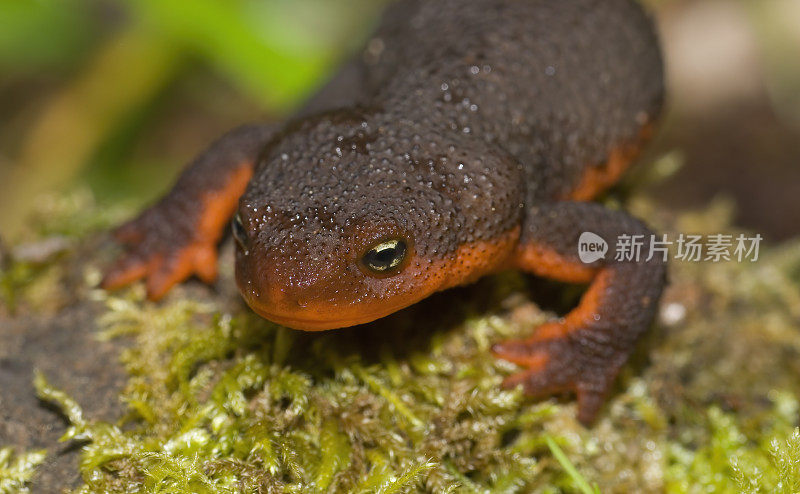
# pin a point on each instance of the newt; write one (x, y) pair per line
(470, 138)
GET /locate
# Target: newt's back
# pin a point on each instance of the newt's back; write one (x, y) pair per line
(557, 83)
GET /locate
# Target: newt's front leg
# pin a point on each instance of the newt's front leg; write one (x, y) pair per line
(177, 237)
(584, 351)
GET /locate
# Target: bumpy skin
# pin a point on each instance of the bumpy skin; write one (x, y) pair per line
(472, 130)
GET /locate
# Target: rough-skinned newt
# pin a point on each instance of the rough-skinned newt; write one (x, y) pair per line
(469, 138)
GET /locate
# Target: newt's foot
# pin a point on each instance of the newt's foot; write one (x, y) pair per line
(160, 253)
(560, 361)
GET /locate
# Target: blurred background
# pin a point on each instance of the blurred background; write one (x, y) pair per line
(117, 95)
(113, 97)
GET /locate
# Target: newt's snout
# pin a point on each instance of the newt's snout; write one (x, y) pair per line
(344, 287)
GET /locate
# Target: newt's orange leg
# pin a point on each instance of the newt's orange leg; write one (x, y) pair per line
(583, 352)
(177, 237)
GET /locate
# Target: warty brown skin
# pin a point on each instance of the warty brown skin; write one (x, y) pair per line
(469, 135)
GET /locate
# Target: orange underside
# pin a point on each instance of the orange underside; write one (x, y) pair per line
(598, 178)
(219, 205)
(582, 316)
(547, 263)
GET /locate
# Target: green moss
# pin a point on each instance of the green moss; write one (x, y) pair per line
(17, 471)
(13, 278)
(782, 473)
(213, 409)
(562, 459)
(30, 274)
(733, 462)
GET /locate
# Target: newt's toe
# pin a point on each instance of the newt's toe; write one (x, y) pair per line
(125, 272)
(163, 263)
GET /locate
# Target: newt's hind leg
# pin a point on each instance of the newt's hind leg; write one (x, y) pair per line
(177, 237)
(584, 351)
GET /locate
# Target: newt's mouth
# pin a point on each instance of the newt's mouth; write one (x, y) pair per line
(309, 324)
(323, 319)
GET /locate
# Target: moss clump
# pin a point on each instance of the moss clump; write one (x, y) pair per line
(17, 471)
(732, 462)
(224, 403)
(782, 473)
(30, 277)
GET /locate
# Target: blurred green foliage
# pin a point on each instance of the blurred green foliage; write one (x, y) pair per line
(275, 50)
(42, 35)
(105, 73)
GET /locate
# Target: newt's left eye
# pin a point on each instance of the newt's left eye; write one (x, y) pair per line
(385, 257)
(239, 231)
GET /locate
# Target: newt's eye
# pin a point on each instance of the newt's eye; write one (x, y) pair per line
(385, 257)
(239, 232)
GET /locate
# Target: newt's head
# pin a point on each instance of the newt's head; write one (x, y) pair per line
(344, 223)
